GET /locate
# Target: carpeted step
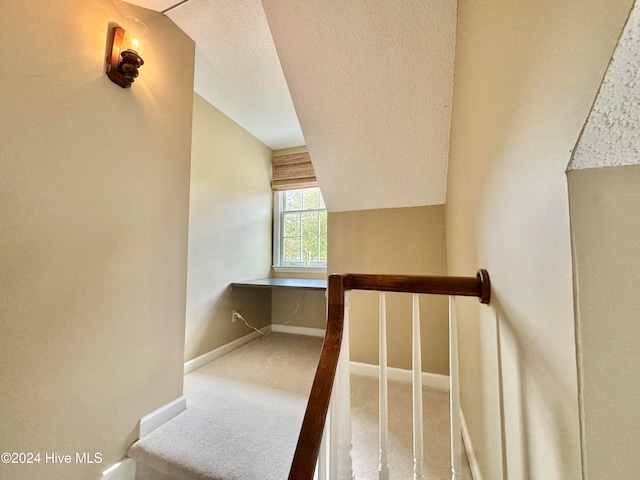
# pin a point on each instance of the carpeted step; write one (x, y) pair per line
(236, 432)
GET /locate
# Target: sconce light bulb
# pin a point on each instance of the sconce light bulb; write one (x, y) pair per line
(135, 31)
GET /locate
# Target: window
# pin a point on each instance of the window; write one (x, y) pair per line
(300, 230)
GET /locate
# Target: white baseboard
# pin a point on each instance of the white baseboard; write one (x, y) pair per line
(203, 359)
(161, 416)
(292, 329)
(123, 470)
(471, 454)
(432, 380)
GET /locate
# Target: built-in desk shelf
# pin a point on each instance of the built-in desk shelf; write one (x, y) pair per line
(273, 282)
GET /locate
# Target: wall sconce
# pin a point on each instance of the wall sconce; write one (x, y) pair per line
(124, 50)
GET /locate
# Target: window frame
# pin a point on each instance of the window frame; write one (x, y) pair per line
(278, 216)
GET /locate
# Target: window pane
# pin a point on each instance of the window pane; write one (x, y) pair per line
(311, 198)
(310, 249)
(323, 223)
(291, 250)
(303, 227)
(293, 200)
(291, 225)
(323, 249)
(310, 226)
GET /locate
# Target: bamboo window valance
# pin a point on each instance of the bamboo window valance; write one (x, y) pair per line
(293, 171)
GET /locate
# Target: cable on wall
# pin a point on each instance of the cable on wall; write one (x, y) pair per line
(176, 5)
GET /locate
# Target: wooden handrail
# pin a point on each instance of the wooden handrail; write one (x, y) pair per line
(308, 447)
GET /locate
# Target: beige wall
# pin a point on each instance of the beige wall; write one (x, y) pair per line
(526, 75)
(229, 230)
(297, 307)
(93, 215)
(407, 241)
(605, 224)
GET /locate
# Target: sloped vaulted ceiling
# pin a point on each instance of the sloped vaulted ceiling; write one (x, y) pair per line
(371, 81)
(237, 68)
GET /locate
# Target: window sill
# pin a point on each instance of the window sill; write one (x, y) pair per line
(301, 269)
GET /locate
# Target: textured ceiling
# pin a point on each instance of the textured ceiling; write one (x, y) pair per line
(371, 81)
(611, 136)
(237, 67)
(158, 5)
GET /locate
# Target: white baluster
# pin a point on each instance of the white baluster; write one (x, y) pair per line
(418, 473)
(341, 421)
(456, 429)
(321, 467)
(383, 468)
(333, 431)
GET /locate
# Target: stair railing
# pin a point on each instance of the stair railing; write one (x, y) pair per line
(331, 382)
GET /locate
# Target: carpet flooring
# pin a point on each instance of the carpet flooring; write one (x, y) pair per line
(244, 412)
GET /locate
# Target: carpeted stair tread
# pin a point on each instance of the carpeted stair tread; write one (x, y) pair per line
(237, 432)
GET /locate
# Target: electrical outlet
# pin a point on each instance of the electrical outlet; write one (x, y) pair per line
(234, 315)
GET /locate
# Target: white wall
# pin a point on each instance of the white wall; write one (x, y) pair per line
(526, 76)
(93, 232)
